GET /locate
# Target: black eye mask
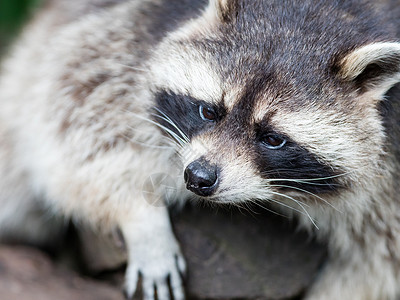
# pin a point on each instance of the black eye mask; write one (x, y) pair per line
(183, 112)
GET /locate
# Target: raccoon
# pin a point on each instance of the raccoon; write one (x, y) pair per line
(290, 103)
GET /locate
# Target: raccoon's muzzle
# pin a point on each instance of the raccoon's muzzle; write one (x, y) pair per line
(201, 177)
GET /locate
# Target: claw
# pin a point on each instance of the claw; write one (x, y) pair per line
(180, 261)
(132, 277)
(162, 291)
(176, 285)
(148, 289)
(126, 295)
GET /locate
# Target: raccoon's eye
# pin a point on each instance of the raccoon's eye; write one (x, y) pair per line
(272, 141)
(207, 114)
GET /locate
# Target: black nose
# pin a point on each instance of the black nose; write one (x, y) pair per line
(201, 178)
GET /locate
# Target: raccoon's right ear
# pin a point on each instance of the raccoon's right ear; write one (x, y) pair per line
(373, 68)
(224, 10)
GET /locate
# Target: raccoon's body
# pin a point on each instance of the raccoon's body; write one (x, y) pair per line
(293, 103)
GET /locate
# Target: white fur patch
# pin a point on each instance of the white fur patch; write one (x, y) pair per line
(356, 62)
(184, 71)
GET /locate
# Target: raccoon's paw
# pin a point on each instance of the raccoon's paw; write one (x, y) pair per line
(160, 271)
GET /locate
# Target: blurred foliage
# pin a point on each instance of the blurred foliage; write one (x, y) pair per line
(13, 13)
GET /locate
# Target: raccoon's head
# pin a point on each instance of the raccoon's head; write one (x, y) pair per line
(271, 99)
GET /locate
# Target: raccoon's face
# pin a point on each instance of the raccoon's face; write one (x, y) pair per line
(260, 113)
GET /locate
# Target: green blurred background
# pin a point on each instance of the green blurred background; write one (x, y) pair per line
(13, 13)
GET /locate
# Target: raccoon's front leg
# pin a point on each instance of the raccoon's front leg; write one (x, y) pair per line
(153, 254)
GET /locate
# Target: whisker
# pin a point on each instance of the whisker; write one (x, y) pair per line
(183, 136)
(310, 179)
(244, 207)
(249, 207)
(298, 203)
(170, 141)
(301, 181)
(145, 144)
(285, 205)
(173, 134)
(132, 68)
(168, 119)
(273, 201)
(267, 209)
(305, 191)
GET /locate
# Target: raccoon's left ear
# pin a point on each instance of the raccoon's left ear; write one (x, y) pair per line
(224, 10)
(374, 68)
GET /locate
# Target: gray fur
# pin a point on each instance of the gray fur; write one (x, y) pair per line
(97, 97)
